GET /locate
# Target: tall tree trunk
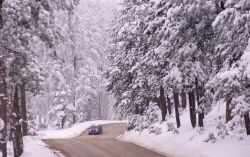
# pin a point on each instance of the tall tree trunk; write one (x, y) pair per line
(40, 121)
(74, 104)
(1, 14)
(24, 110)
(162, 104)
(169, 105)
(3, 96)
(228, 110)
(176, 106)
(247, 123)
(200, 113)
(191, 97)
(74, 88)
(136, 109)
(74, 118)
(100, 107)
(16, 127)
(183, 99)
(63, 122)
(3, 109)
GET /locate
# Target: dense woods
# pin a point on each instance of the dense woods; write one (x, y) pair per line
(68, 61)
(191, 52)
(51, 64)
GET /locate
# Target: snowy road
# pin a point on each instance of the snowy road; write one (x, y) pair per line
(104, 145)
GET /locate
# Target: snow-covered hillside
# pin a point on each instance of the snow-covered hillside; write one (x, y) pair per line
(189, 142)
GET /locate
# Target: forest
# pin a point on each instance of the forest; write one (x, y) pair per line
(177, 55)
(51, 66)
(148, 62)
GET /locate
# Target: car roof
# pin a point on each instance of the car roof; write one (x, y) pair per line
(95, 126)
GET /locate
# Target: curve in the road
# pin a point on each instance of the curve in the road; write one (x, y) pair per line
(104, 145)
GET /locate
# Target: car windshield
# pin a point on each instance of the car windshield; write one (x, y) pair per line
(93, 127)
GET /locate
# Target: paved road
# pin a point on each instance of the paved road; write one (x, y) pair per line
(104, 145)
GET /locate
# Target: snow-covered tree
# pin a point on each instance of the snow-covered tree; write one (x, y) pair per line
(161, 44)
(230, 83)
(79, 58)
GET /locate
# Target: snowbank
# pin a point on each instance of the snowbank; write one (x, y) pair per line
(33, 147)
(189, 141)
(74, 131)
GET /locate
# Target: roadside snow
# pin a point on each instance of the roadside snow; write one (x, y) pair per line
(189, 141)
(33, 147)
(72, 132)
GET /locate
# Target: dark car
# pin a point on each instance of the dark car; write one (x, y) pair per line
(95, 130)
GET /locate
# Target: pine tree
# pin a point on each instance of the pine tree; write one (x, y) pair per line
(3, 97)
(169, 106)
(162, 104)
(16, 128)
(227, 83)
(247, 123)
(192, 48)
(176, 106)
(3, 107)
(191, 96)
(23, 109)
(183, 99)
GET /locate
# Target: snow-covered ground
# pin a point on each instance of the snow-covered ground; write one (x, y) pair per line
(190, 142)
(34, 147)
(74, 131)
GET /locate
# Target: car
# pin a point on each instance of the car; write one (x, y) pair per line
(95, 130)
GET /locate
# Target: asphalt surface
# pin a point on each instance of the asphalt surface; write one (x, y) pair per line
(104, 145)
